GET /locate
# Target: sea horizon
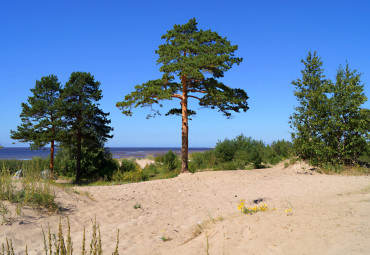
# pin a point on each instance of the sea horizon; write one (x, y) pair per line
(25, 153)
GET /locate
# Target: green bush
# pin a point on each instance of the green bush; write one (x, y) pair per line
(225, 150)
(128, 165)
(240, 153)
(171, 161)
(96, 163)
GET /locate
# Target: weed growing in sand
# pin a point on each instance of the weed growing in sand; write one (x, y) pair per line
(8, 249)
(207, 244)
(56, 244)
(289, 212)
(137, 206)
(29, 190)
(252, 210)
(164, 236)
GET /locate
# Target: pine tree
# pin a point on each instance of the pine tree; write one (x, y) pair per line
(329, 123)
(191, 61)
(84, 120)
(41, 116)
(311, 115)
(348, 125)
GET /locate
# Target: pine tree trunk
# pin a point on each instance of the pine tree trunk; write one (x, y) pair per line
(79, 145)
(52, 148)
(185, 128)
(78, 157)
(52, 157)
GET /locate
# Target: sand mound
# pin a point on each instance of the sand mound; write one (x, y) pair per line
(329, 214)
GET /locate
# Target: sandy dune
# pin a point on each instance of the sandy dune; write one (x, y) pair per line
(330, 214)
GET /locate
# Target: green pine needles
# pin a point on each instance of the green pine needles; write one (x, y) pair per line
(41, 116)
(329, 124)
(69, 116)
(191, 60)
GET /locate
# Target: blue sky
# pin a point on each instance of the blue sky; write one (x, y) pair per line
(116, 42)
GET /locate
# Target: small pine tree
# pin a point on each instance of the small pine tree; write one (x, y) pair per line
(348, 128)
(41, 116)
(311, 116)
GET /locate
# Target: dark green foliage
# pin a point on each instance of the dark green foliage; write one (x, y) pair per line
(241, 153)
(128, 165)
(97, 162)
(312, 113)
(278, 151)
(85, 121)
(191, 61)
(41, 116)
(349, 125)
(329, 124)
(225, 150)
(242, 150)
(191, 54)
(171, 161)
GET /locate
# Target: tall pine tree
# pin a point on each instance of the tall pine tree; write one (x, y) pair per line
(191, 61)
(41, 116)
(84, 120)
(348, 125)
(311, 116)
(329, 124)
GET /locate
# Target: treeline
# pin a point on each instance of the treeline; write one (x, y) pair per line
(68, 116)
(329, 126)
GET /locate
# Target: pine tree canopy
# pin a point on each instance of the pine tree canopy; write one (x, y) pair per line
(81, 110)
(40, 116)
(197, 58)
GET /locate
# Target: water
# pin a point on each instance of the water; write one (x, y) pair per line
(25, 153)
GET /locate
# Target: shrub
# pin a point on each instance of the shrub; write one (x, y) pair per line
(170, 160)
(128, 165)
(225, 150)
(96, 163)
(239, 153)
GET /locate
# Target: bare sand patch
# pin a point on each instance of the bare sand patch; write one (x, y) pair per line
(330, 214)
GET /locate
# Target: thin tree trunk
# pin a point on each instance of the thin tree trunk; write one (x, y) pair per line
(78, 156)
(52, 148)
(185, 129)
(79, 141)
(52, 157)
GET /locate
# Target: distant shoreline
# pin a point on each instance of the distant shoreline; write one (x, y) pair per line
(25, 153)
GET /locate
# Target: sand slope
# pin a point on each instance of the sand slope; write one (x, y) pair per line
(330, 214)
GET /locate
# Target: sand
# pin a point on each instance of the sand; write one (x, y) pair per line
(330, 214)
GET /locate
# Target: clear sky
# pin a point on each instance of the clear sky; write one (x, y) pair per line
(116, 42)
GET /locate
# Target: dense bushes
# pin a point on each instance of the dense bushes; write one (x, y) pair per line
(96, 163)
(241, 153)
(165, 166)
(169, 160)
